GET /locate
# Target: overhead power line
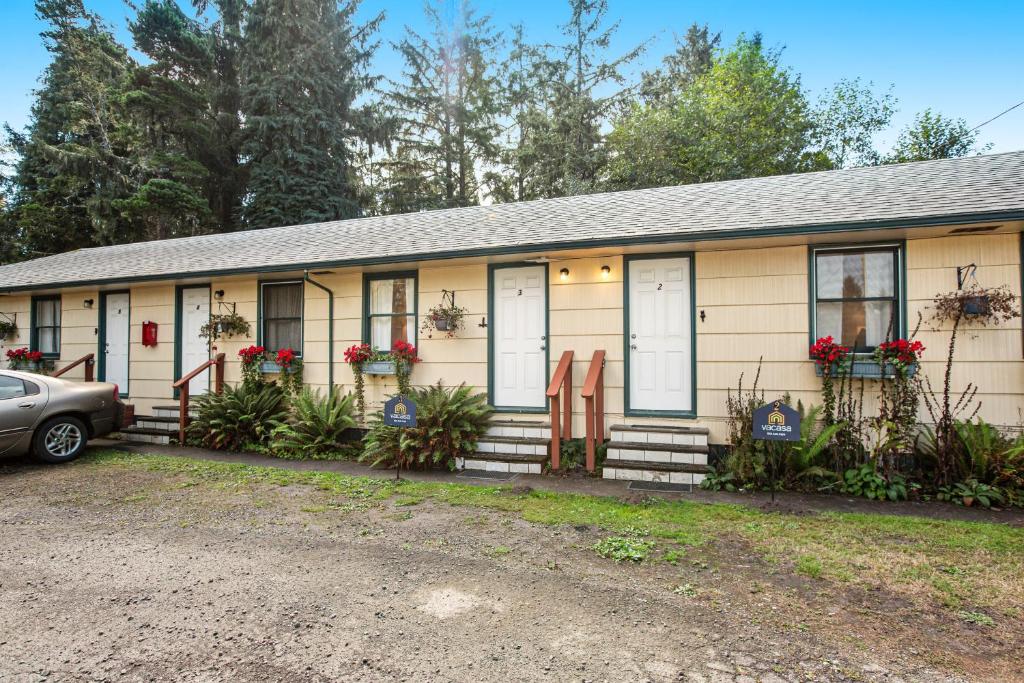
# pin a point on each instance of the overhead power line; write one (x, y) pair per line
(996, 116)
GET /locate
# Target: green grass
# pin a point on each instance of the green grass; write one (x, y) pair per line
(914, 556)
(621, 548)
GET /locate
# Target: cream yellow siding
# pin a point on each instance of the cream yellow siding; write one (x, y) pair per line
(17, 308)
(754, 302)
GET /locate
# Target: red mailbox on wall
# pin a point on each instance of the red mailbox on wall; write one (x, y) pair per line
(149, 333)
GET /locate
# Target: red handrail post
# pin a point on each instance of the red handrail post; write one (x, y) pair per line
(561, 415)
(218, 375)
(593, 399)
(182, 412)
(90, 369)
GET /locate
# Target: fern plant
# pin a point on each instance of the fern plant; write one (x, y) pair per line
(237, 417)
(316, 428)
(449, 422)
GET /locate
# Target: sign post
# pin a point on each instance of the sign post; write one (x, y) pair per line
(399, 412)
(775, 422)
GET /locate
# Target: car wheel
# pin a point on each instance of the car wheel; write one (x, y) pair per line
(61, 439)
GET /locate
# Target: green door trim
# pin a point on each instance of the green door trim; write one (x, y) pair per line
(629, 258)
(101, 346)
(492, 268)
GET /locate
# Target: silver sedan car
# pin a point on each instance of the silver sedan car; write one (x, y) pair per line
(54, 418)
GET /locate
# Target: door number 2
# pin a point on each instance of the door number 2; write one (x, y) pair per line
(659, 285)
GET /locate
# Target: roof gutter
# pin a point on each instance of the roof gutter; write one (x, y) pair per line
(330, 328)
(621, 241)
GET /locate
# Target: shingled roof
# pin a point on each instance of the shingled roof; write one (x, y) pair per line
(979, 188)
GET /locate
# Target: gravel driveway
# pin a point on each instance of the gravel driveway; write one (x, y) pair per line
(113, 573)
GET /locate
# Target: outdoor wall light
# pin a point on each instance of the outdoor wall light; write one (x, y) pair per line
(88, 303)
(564, 274)
(219, 294)
(606, 271)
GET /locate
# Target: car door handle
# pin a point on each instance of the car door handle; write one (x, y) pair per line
(26, 405)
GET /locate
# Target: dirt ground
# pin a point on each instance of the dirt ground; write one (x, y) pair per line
(114, 573)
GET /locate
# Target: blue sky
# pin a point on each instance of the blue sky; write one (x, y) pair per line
(962, 59)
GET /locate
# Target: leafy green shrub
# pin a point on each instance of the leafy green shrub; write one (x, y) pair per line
(316, 428)
(969, 492)
(865, 481)
(449, 422)
(574, 455)
(621, 548)
(246, 415)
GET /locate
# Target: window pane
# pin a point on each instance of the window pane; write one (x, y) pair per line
(391, 296)
(48, 339)
(48, 313)
(11, 388)
(282, 334)
(282, 301)
(856, 274)
(860, 325)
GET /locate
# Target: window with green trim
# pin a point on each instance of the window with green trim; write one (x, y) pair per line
(281, 316)
(390, 310)
(857, 295)
(46, 325)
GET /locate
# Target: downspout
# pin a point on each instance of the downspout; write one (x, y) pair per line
(330, 327)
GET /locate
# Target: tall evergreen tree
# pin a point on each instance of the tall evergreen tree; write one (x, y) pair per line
(305, 67)
(568, 147)
(447, 105)
(692, 57)
(74, 161)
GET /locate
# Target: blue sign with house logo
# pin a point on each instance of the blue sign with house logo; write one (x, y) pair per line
(776, 422)
(399, 412)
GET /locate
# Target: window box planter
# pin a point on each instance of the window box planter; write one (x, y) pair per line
(866, 368)
(379, 367)
(269, 367)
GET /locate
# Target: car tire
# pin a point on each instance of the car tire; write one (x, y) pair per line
(60, 439)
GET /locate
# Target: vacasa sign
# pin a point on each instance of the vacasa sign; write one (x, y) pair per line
(776, 422)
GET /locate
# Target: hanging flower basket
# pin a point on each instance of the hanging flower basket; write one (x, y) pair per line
(977, 305)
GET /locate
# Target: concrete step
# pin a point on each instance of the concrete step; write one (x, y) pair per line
(681, 454)
(154, 422)
(664, 472)
(664, 434)
(524, 428)
(514, 445)
(171, 411)
(148, 435)
(504, 462)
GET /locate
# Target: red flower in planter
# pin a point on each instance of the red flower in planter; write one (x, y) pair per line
(402, 350)
(252, 354)
(285, 358)
(34, 356)
(901, 352)
(826, 351)
(17, 355)
(358, 353)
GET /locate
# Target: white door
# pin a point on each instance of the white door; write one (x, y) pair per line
(115, 348)
(195, 312)
(520, 310)
(660, 353)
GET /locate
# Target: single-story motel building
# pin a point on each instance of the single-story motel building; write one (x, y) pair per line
(683, 288)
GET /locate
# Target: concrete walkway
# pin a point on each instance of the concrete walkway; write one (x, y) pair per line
(788, 502)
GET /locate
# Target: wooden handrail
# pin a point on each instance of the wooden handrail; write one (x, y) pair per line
(562, 379)
(90, 361)
(182, 386)
(593, 400)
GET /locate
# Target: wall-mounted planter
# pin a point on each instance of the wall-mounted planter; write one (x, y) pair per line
(868, 369)
(269, 367)
(379, 367)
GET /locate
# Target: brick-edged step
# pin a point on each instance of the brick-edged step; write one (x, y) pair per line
(171, 411)
(678, 453)
(519, 428)
(148, 435)
(154, 422)
(504, 462)
(665, 472)
(659, 434)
